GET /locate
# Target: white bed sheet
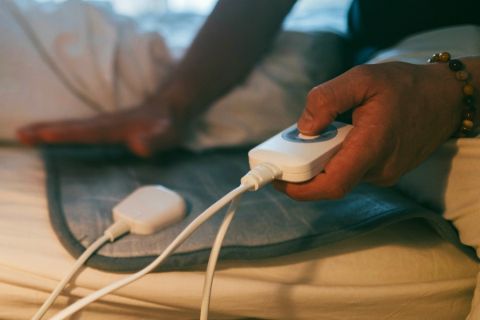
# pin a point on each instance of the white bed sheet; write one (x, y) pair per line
(403, 272)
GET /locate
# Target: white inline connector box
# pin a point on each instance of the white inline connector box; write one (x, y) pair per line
(150, 208)
(300, 157)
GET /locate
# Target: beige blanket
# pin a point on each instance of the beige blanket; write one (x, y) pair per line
(77, 60)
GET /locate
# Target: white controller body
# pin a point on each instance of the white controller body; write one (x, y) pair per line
(300, 157)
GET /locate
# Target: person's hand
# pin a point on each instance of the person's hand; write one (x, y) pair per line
(401, 114)
(144, 130)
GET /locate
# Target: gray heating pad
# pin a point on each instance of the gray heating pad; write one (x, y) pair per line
(84, 183)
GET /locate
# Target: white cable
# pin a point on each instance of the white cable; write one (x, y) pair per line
(212, 261)
(113, 232)
(78, 264)
(253, 180)
(257, 178)
(184, 235)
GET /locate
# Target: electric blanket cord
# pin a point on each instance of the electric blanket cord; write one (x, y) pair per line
(115, 231)
(256, 178)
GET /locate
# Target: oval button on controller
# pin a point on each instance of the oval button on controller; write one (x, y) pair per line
(305, 137)
(294, 135)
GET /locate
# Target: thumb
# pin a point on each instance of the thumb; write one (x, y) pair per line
(326, 101)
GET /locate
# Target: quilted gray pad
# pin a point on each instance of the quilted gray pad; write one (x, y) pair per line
(85, 183)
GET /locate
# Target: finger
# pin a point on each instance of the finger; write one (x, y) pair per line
(326, 101)
(346, 169)
(94, 130)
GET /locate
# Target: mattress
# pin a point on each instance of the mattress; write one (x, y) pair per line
(404, 271)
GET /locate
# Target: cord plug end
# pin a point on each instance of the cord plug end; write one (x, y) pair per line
(118, 229)
(260, 175)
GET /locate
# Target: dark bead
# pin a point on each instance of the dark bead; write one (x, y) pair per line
(469, 100)
(469, 115)
(455, 65)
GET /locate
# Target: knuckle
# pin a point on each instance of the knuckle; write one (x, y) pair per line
(318, 95)
(320, 100)
(313, 98)
(311, 95)
(364, 73)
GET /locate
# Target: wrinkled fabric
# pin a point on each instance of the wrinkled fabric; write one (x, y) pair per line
(31, 91)
(72, 60)
(401, 272)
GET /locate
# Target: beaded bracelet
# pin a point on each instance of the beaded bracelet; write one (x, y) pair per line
(469, 111)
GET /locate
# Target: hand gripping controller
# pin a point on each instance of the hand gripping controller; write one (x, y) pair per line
(300, 157)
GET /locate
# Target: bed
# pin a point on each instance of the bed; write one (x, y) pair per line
(404, 271)
(401, 272)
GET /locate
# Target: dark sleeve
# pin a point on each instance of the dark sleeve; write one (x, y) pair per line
(377, 24)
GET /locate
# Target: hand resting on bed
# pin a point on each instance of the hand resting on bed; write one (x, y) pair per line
(155, 126)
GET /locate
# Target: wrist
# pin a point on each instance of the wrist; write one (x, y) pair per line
(444, 95)
(467, 96)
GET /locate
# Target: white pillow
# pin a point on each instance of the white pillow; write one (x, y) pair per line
(49, 48)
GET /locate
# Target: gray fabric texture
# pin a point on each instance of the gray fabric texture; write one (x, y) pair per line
(85, 183)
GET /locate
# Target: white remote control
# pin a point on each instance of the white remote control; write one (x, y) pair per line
(300, 157)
